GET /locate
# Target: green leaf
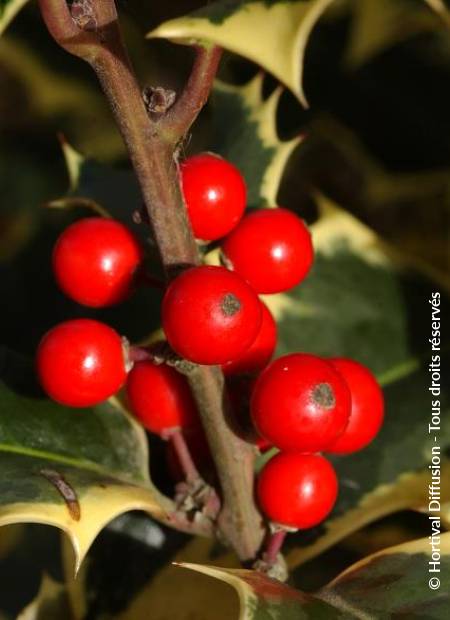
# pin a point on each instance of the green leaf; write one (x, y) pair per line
(355, 300)
(262, 598)
(391, 583)
(361, 301)
(8, 11)
(244, 132)
(394, 583)
(381, 24)
(75, 469)
(380, 190)
(283, 29)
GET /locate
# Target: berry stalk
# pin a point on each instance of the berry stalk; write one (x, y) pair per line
(185, 459)
(152, 145)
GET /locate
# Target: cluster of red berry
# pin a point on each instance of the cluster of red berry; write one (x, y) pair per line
(300, 403)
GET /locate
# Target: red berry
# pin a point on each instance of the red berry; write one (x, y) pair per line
(259, 353)
(300, 402)
(95, 260)
(210, 315)
(81, 363)
(298, 490)
(367, 411)
(160, 397)
(214, 193)
(271, 249)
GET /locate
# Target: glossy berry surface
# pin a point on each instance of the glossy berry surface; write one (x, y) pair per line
(300, 402)
(95, 260)
(271, 249)
(210, 315)
(81, 363)
(367, 412)
(160, 398)
(297, 490)
(260, 352)
(215, 195)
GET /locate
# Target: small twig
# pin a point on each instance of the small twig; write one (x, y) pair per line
(274, 545)
(190, 471)
(183, 113)
(138, 354)
(271, 562)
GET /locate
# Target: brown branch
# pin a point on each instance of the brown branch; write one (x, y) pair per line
(182, 114)
(65, 31)
(239, 521)
(151, 146)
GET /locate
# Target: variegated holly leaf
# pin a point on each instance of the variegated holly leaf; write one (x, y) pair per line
(392, 583)
(244, 132)
(75, 469)
(395, 583)
(380, 196)
(8, 11)
(380, 24)
(273, 34)
(362, 300)
(262, 598)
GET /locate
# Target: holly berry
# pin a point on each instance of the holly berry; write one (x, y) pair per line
(367, 412)
(300, 402)
(160, 398)
(81, 363)
(215, 195)
(297, 490)
(271, 249)
(210, 315)
(259, 353)
(95, 261)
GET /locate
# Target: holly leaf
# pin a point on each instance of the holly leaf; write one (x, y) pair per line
(359, 592)
(262, 598)
(8, 11)
(380, 196)
(380, 24)
(402, 573)
(75, 469)
(283, 29)
(244, 132)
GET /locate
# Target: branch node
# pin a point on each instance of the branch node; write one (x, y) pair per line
(158, 100)
(83, 15)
